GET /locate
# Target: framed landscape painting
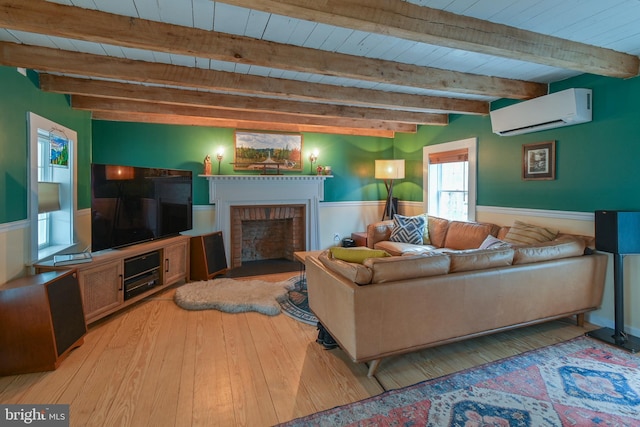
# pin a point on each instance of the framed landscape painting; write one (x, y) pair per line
(267, 151)
(539, 161)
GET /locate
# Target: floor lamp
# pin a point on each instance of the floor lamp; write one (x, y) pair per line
(388, 170)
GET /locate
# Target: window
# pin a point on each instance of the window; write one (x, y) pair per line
(53, 186)
(449, 179)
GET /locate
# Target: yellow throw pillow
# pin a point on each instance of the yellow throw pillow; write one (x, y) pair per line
(521, 233)
(358, 254)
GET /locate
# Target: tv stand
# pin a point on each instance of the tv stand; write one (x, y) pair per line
(117, 278)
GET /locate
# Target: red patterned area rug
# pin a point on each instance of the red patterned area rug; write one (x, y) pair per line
(581, 382)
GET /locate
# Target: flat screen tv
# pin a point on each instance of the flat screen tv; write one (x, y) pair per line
(131, 204)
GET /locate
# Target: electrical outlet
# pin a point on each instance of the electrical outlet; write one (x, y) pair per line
(336, 237)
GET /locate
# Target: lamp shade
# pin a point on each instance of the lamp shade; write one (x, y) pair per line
(390, 169)
(48, 197)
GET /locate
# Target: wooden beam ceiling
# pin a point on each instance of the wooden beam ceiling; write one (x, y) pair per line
(235, 124)
(160, 92)
(116, 90)
(119, 105)
(422, 24)
(84, 64)
(100, 27)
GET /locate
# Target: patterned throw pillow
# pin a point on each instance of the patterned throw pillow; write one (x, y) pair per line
(521, 233)
(408, 229)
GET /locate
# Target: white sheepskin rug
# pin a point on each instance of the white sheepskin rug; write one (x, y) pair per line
(233, 296)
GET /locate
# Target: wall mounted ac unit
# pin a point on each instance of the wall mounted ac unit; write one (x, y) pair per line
(564, 108)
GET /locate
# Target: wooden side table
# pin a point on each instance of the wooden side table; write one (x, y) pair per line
(360, 238)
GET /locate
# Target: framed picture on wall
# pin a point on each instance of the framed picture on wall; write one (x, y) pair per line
(59, 153)
(539, 161)
(264, 151)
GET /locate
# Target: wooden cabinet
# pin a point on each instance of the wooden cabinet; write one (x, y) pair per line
(41, 320)
(102, 290)
(175, 262)
(103, 282)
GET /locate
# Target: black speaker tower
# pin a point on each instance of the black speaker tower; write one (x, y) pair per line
(618, 232)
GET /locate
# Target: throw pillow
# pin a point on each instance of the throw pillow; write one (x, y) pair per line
(521, 233)
(493, 242)
(358, 254)
(408, 229)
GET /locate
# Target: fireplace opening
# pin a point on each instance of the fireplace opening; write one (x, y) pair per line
(267, 239)
(266, 232)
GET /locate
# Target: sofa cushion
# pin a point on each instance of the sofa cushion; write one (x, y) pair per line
(521, 233)
(437, 230)
(378, 231)
(467, 235)
(355, 272)
(479, 259)
(563, 247)
(408, 229)
(356, 254)
(407, 267)
(502, 232)
(399, 248)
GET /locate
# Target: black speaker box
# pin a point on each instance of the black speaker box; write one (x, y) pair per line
(207, 256)
(618, 232)
(41, 321)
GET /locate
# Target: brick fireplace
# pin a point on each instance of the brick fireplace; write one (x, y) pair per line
(289, 201)
(266, 232)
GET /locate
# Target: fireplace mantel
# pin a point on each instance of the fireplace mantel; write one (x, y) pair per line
(238, 190)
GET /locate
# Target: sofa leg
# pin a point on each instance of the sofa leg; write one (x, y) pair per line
(580, 319)
(373, 367)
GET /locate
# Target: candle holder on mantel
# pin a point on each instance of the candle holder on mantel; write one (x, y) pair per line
(313, 157)
(219, 155)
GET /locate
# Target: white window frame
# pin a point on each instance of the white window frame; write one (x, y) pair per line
(62, 221)
(471, 145)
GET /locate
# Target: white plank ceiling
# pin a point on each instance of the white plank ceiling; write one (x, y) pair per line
(611, 24)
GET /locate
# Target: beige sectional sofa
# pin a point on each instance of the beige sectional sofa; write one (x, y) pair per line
(449, 290)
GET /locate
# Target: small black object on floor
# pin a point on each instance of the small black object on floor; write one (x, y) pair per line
(261, 267)
(325, 338)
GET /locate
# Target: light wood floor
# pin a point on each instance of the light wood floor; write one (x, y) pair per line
(156, 364)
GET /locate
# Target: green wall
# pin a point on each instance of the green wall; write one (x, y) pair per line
(21, 95)
(595, 169)
(596, 162)
(184, 147)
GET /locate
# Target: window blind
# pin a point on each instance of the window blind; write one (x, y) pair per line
(453, 156)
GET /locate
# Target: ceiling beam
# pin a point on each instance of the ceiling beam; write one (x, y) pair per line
(85, 64)
(171, 119)
(116, 90)
(80, 102)
(433, 26)
(101, 27)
